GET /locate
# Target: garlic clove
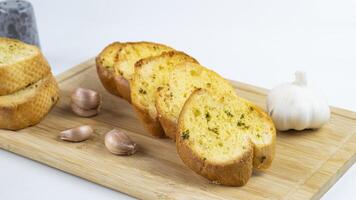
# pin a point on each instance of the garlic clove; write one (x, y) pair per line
(86, 99)
(117, 142)
(82, 112)
(77, 134)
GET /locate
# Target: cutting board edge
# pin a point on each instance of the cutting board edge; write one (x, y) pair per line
(322, 175)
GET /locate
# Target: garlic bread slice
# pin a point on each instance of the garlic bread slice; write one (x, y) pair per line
(151, 74)
(183, 80)
(208, 143)
(212, 126)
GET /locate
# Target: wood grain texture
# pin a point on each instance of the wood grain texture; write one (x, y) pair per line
(307, 163)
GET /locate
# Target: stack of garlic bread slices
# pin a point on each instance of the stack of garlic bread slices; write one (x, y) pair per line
(218, 134)
(27, 88)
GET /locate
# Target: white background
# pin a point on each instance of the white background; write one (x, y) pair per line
(258, 42)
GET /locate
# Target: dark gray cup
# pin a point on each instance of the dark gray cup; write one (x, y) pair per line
(17, 20)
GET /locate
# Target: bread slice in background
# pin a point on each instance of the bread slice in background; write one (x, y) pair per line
(29, 105)
(150, 74)
(127, 56)
(221, 137)
(208, 143)
(183, 80)
(105, 67)
(21, 64)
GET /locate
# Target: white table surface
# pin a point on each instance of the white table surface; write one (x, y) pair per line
(257, 42)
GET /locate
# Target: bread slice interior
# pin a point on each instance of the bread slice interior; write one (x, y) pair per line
(14, 51)
(213, 127)
(183, 80)
(131, 52)
(151, 74)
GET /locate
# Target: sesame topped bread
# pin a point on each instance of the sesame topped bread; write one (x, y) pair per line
(126, 58)
(29, 105)
(222, 137)
(150, 74)
(105, 67)
(183, 80)
(21, 64)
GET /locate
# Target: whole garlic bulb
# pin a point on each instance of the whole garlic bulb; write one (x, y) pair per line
(297, 106)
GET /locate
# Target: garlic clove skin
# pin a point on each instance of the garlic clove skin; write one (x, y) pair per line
(77, 134)
(297, 105)
(84, 113)
(86, 99)
(117, 142)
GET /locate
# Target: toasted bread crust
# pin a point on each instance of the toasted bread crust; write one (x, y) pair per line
(234, 173)
(106, 77)
(123, 88)
(30, 111)
(152, 122)
(16, 76)
(107, 74)
(144, 61)
(263, 156)
(154, 128)
(169, 126)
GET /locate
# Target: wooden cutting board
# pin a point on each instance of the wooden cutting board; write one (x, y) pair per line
(307, 163)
